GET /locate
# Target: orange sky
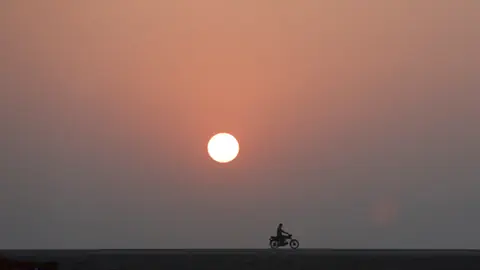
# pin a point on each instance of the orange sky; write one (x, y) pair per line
(332, 101)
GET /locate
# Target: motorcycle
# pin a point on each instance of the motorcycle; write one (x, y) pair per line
(288, 240)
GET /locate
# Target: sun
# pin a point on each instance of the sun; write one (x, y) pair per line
(223, 147)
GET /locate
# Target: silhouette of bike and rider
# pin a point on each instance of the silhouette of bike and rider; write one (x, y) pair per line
(281, 239)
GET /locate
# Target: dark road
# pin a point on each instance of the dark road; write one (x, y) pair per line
(252, 259)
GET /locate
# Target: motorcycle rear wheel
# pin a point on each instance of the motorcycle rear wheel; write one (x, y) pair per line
(273, 244)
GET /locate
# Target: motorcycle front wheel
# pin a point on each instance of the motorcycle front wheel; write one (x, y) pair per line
(294, 244)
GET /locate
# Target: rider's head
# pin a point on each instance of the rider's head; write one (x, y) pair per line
(280, 225)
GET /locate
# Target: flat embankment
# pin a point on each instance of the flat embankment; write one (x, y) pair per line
(230, 259)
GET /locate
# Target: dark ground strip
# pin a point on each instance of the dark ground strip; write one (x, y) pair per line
(240, 259)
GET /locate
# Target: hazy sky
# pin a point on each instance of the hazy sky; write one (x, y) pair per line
(358, 123)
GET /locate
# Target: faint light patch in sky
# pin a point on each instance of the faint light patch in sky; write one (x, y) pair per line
(384, 212)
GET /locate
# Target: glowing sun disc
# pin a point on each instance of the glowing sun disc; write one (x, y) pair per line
(223, 147)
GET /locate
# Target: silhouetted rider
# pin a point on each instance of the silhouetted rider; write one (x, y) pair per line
(281, 234)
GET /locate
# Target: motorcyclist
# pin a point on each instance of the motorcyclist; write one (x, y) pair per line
(281, 234)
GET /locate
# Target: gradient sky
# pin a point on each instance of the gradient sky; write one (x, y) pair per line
(357, 121)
